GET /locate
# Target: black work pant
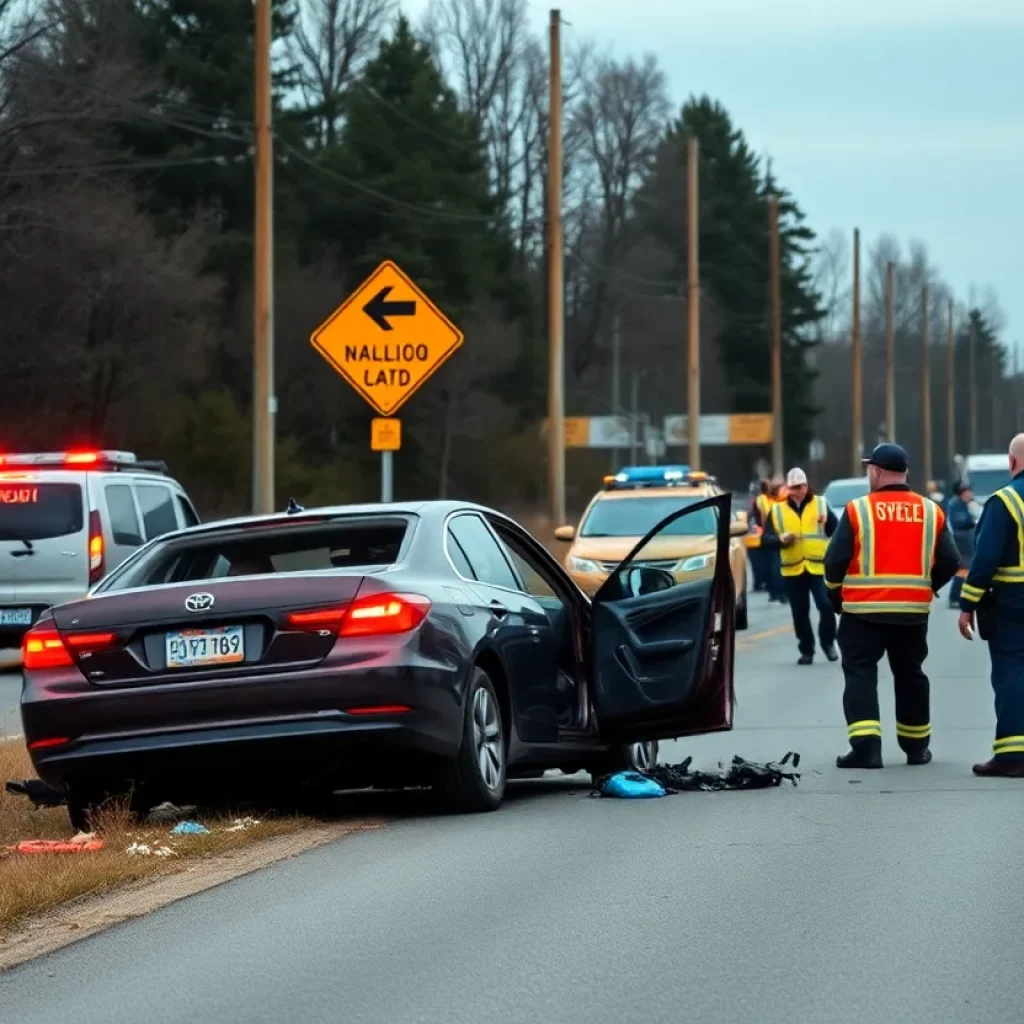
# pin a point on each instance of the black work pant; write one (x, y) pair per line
(862, 643)
(800, 589)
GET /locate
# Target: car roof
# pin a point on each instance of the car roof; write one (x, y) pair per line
(847, 480)
(691, 491)
(986, 462)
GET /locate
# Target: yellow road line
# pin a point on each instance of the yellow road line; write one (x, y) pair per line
(747, 641)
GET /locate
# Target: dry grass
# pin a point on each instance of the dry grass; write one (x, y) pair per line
(31, 884)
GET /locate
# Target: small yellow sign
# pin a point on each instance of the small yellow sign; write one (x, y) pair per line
(386, 339)
(385, 435)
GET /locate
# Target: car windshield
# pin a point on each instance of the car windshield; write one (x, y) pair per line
(634, 517)
(31, 511)
(263, 550)
(839, 494)
(985, 482)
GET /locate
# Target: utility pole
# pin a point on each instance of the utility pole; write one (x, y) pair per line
(972, 381)
(556, 368)
(634, 416)
(776, 371)
(950, 389)
(890, 352)
(1016, 393)
(996, 378)
(616, 377)
(693, 301)
(264, 404)
(857, 428)
(926, 389)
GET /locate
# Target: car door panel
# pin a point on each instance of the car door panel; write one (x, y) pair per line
(662, 660)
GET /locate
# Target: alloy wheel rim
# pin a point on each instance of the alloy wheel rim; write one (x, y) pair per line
(487, 739)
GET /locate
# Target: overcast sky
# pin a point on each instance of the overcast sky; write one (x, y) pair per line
(904, 116)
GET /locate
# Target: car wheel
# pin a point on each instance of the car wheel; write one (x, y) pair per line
(628, 757)
(741, 613)
(474, 780)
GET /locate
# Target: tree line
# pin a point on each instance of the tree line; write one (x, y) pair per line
(126, 244)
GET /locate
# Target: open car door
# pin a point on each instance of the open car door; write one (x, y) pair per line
(662, 641)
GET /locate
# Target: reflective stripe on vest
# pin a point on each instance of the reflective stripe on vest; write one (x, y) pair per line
(807, 552)
(1015, 506)
(895, 534)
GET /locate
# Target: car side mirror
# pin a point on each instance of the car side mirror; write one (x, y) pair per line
(640, 580)
(565, 533)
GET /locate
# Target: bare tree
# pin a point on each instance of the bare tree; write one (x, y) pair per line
(331, 41)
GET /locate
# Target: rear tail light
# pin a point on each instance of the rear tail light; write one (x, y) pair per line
(50, 741)
(97, 556)
(46, 648)
(373, 615)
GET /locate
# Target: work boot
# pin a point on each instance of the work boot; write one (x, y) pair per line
(805, 659)
(1000, 769)
(831, 653)
(860, 759)
(920, 757)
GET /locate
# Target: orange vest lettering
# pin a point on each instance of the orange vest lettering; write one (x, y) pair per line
(894, 538)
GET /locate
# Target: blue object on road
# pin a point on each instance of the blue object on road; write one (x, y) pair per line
(631, 786)
(189, 828)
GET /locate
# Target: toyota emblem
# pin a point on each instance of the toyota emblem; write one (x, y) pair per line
(198, 602)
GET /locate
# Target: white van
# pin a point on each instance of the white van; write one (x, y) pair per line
(986, 474)
(69, 518)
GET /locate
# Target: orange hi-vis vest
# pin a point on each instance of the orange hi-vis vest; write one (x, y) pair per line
(895, 534)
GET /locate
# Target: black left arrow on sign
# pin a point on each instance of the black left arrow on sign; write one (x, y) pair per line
(378, 309)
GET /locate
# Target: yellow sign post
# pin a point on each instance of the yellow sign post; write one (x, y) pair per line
(387, 339)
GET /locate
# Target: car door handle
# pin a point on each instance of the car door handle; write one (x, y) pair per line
(498, 610)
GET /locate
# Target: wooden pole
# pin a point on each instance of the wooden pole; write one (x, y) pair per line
(693, 301)
(556, 351)
(776, 369)
(263, 401)
(972, 375)
(857, 428)
(926, 389)
(950, 389)
(890, 352)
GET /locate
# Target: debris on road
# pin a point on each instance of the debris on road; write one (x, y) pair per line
(41, 794)
(190, 828)
(84, 842)
(145, 850)
(631, 786)
(241, 824)
(677, 778)
(167, 813)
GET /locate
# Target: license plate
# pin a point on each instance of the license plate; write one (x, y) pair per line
(194, 648)
(15, 616)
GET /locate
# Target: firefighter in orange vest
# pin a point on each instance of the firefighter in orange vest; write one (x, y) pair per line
(891, 553)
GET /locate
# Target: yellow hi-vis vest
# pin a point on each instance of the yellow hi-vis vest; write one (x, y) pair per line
(807, 552)
(1010, 573)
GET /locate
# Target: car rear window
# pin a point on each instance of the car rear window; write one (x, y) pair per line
(257, 551)
(40, 511)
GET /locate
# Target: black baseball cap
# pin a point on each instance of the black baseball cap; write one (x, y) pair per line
(890, 457)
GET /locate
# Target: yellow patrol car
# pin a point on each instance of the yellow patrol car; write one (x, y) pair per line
(633, 502)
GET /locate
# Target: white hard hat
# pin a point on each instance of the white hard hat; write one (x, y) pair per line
(796, 477)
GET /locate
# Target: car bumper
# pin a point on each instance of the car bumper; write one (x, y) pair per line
(315, 722)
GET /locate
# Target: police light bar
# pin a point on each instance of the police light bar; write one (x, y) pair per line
(647, 476)
(78, 459)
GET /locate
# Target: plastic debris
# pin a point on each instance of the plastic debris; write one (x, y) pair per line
(41, 794)
(741, 774)
(145, 850)
(189, 828)
(631, 786)
(241, 824)
(84, 842)
(166, 813)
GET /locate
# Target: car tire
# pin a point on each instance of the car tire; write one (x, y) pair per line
(474, 780)
(741, 613)
(625, 758)
(81, 803)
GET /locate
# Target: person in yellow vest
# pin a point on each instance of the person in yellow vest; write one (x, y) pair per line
(760, 559)
(799, 528)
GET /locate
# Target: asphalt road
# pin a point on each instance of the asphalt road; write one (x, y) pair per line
(866, 896)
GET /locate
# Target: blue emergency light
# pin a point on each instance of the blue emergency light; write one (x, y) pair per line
(648, 476)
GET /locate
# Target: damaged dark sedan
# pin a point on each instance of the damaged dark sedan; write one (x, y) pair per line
(423, 644)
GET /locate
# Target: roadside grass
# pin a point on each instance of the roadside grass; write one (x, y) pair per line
(31, 884)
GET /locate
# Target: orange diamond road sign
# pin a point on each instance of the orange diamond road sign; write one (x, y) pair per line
(386, 339)
(385, 435)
